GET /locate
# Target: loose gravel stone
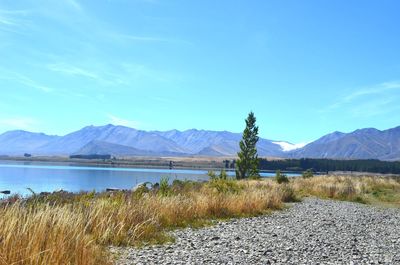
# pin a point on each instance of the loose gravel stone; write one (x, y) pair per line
(311, 232)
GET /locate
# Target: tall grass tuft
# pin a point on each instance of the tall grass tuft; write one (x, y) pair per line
(66, 228)
(46, 235)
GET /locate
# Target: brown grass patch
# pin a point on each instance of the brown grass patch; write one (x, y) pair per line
(363, 189)
(65, 228)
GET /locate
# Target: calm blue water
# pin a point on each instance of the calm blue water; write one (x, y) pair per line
(16, 177)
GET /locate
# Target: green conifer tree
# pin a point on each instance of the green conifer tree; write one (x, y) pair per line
(247, 163)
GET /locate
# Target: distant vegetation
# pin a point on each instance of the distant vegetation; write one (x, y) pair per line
(328, 165)
(94, 156)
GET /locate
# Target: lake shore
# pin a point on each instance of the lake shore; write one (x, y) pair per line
(59, 228)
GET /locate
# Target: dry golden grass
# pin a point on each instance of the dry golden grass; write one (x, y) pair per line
(75, 229)
(47, 235)
(66, 228)
(363, 189)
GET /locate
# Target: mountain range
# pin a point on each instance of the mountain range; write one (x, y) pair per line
(124, 141)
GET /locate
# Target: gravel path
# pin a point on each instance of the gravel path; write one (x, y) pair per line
(311, 232)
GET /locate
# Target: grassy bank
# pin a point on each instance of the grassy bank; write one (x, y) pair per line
(375, 190)
(65, 228)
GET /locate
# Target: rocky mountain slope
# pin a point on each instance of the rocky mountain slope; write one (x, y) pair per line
(124, 141)
(367, 143)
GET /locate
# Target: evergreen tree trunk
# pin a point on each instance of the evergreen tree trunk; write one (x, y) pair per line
(247, 163)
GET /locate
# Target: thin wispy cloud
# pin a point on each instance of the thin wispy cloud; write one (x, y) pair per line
(377, 90)
(139, 38)
(24, 80)
(144, 38)
(6, 21)
(123, 122)
(376, 107)
(368, 102)
(120, 74)
(137, 71)
(114, 75)
(21, 123)
(75, 4)
(161, 99)
(14, 21)
(72, 70)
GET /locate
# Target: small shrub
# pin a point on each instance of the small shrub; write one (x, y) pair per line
(281, 178)
(140, 191)
(165, 189)
(179, 183)
(223, 175)
(225, 185)
(308, 174)
(287, 193)
(255, 177)
(184, 186)
(222, 183)
(212, 175)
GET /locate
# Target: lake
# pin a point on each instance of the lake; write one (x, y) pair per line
(18, 176)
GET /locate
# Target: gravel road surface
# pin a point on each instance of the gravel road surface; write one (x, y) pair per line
(311, 232)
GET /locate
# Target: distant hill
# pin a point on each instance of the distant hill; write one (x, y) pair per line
(119, 135)
(124, 141)
(367, 143)
(20, 142)
(217, 143)
(105, 148)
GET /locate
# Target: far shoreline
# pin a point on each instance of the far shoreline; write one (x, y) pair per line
(129, 162)
(120, 165)
(179, 163)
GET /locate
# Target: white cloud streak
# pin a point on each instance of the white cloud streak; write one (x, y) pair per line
(370, 101)
(14, 21)
(72, 70)
(375, 107)
(20, 123)
(75, 4)
(24, 80)
(148, 39)
(375, 90)
(120, 121)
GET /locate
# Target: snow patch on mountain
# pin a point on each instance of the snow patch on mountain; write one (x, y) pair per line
(286, 147)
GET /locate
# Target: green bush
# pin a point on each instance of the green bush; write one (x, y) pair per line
(280, 177)
(213, 176)
(184, 186)
(165, 189)
(308, 174)
(225, 185)
(140, 191)
(222, 183)
(255, 177)
(223, 175)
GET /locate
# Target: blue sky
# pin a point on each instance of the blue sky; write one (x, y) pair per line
(306, 68)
